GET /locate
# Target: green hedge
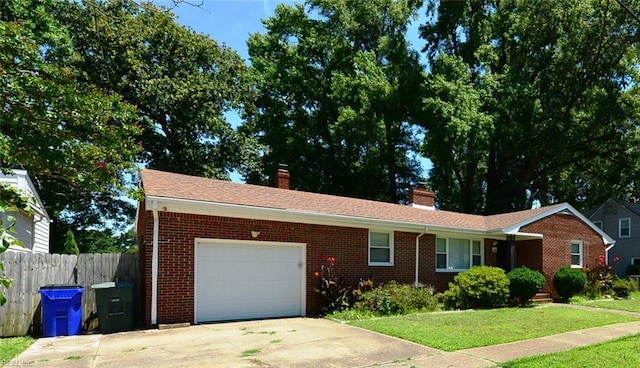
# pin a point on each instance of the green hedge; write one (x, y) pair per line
(524, 283)
(477, 287)
(623, 287)
(569, 281)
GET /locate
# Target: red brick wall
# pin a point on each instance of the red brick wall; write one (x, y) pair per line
(428, 274)
(529, 253)
(348, 245)
(559, 230)
(176, 256)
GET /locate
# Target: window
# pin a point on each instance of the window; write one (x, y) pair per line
(380, 249)
(576, 253)
(624, 227)
(598, 224)
(635, 261)
(457, 254)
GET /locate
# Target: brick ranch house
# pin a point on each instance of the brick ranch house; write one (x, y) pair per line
(214, 250)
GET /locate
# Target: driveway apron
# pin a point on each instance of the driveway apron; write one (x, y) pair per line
(290, 342)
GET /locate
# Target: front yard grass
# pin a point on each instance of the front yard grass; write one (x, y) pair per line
(632, 304)
(11, 347)
(623, 352)
(451, 331)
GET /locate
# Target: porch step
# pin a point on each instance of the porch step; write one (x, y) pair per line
(541, 298)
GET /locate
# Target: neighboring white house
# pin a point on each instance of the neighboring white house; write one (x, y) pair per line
(33, 231)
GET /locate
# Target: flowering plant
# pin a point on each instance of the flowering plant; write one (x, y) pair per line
(600, 278)
(334, 292)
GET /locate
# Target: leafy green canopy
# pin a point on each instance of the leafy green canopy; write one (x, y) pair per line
(531, 100)
(89, 88)
(75, 141)
(336, 82)
(182, 84)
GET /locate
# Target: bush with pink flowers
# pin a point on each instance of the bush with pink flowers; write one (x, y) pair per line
(599, 278)
(335, 294)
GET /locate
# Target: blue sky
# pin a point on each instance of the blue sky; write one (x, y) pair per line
(230, 22)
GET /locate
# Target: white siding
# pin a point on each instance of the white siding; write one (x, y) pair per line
(41, 234)
(33, 232)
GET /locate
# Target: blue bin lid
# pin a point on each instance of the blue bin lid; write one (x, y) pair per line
(60, 293)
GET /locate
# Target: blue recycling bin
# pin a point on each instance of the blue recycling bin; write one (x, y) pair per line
(61, 309)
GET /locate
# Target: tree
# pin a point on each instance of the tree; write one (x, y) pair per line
(70, 245)
(531, 101)
(76, 142)
(181, 82)
(459, 134)
(335, 82)
(105, 240)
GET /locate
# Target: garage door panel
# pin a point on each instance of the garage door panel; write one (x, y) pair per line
(242, 281)
(238, 309)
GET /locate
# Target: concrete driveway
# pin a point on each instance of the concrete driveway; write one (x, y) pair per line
(291, 342)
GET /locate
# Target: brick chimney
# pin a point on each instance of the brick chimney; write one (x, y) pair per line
(420, 197)
(282, 179)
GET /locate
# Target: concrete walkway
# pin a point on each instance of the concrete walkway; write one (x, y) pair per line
(295, 342)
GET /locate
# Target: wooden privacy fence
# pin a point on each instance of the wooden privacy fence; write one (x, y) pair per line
(21, 315)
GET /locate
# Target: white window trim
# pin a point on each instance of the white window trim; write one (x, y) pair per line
(620, 227)
(471, 240)
(580, 253)
(391, 246)
(598, 222)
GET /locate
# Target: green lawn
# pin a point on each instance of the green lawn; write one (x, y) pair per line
(10, 347)
(462, 330)
(631, 304)
(623, 352)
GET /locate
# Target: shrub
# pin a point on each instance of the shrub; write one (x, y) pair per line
(363, 286)
(335, 294)
(352, 314)
(393, 298)
(623, 287)
(633, 270)
(569, 281)
(599, 279)
(524, 283)
(477, 287)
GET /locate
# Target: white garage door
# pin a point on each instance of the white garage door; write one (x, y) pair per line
(245, 280)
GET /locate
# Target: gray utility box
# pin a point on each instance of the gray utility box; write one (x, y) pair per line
(115, 306)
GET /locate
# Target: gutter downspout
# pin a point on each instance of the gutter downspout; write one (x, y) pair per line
(154, 266)
(415, 283)
(606, 252)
